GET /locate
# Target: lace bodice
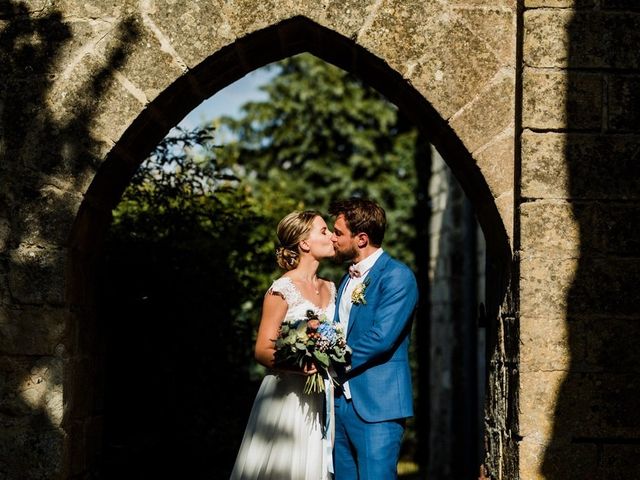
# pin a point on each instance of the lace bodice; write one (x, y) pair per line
(298, 305)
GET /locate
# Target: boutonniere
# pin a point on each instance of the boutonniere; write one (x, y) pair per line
(357, 296)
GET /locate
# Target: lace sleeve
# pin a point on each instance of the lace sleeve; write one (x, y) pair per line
(286, 289)
(332, 290)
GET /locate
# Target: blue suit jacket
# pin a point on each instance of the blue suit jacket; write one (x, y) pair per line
(378, 334)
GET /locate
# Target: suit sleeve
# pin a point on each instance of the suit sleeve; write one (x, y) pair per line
(393, 314)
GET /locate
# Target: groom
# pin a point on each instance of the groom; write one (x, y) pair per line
(375, 305)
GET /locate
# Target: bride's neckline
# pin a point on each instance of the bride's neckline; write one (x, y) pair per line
(290, 280)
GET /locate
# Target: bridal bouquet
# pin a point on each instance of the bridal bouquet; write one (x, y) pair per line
(311, 340)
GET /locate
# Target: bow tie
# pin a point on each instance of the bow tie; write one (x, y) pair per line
(354, 272)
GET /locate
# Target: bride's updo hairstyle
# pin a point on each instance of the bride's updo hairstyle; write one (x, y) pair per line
(293, 229)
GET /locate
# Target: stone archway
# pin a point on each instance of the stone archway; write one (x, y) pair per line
(257, 49)
(462, 99)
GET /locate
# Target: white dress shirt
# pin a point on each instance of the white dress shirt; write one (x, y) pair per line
(344, 309)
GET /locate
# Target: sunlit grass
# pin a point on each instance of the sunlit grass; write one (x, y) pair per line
(408, 470)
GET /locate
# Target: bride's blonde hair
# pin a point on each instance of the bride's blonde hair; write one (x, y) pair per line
(293, 229)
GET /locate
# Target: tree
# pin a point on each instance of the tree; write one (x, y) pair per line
(321, 135)
(187, 258)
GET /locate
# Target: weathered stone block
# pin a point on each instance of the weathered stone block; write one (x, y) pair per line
(246, 16)
(558, 407)
(557, 228)
(562, 38)
(32, 390)
(631, 5)
(569, 461)
(31, 330)
(181, 25)
(487, 115)
(26, 114)
(13, 371)
(484, 3)
(505, 206)
(620, 462)
(494, 25)
(448, 77)
(47, 219)
(558, 3)
(606, 286)
(496, 161)
(612, 345)
(546, 38)
(33, 41)
(614, 229)
(345, 17)
(544, 287)
(389, 24)
(5, 232)
(599, 405)
(145, 64)
(36, 453)
(550, 228)
(110, 9)
(580, 166)
(94, 103)
(545, 344)
(543, 462)
(589, 286)
(624, 104)
(36, 275)
(557, 100)
(538, 395)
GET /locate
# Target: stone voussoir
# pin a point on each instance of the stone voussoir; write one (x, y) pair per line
(495, 159)
(445, 60)
(487, 115)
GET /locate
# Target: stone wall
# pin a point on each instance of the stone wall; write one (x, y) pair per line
(579, 268)
(532, 104)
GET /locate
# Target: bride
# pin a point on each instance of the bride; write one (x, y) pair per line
(283, 438)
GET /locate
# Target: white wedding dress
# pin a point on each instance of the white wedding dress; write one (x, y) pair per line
(283, 438)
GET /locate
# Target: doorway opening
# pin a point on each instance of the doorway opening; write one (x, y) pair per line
(166, 358)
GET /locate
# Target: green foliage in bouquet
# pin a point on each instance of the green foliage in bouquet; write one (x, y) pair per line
(313, 340)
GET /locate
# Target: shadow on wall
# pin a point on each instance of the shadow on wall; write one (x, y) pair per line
(596, 431)
(45, 154)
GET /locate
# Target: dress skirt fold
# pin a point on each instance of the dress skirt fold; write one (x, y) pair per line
(283, 438)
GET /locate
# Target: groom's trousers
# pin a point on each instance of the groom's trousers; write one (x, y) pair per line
(364, 450)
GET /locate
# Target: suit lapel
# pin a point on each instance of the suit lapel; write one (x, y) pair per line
(371, 278)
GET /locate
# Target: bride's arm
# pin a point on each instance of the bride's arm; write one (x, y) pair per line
(274, 308)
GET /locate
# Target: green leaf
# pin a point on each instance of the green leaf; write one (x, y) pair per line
(322, 357)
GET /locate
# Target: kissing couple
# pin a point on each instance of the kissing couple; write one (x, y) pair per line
(354, 432)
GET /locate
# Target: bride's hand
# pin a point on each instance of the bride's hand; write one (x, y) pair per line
(309, 369)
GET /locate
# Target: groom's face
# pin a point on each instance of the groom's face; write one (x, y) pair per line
(344, 242)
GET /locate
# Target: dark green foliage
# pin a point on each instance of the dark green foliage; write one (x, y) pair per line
(187, 260)
(323, 135)
(190, 255)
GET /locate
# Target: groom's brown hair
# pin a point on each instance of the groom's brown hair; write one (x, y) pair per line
(362, 216)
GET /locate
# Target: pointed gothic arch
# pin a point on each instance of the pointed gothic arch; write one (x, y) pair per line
(223, 67)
